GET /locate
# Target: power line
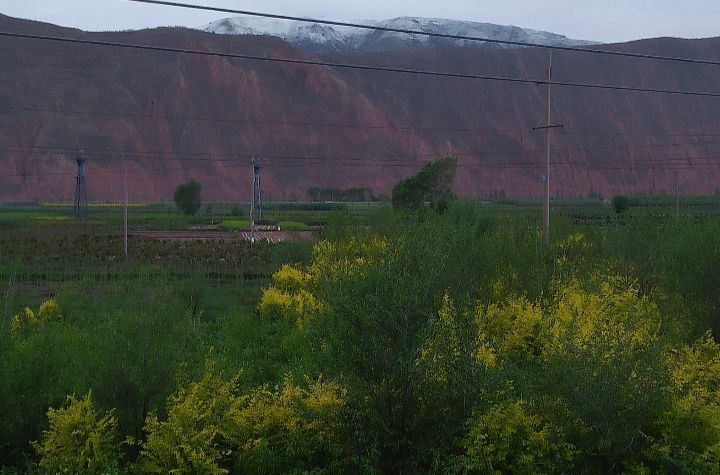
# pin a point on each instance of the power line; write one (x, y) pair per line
(231, 157)
(490, 168)
(353, 126)
(431, 34)
(360, 66)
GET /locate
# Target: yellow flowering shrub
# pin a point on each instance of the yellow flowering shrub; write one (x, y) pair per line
(79, 440)
(690, 429)
(299, 306)
(49, 312)
(603, 352)
(290, 297)
(192, 439)
(514, 326)
(291, 279)
(27, 319)
(210, 428)
(571, 252)
(509, 437)
(287, 422)
(348, 257)
(23, 321)
(612, 321)
(442, 349)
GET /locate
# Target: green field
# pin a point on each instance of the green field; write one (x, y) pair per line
(390, 342)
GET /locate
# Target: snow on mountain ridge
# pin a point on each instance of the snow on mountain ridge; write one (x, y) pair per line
(315, 37)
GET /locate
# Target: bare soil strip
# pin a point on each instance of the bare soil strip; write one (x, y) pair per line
(206, 235)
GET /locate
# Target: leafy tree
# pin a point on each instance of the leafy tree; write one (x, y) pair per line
(432, 183)
(134, 334)
(386, 326)
(40, 367)
(187, 197)
(620, 203)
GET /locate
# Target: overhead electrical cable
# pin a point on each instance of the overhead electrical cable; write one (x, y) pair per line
(231, 157)
(695, 163)
(359, 66)
(424, 33)
(562, 132)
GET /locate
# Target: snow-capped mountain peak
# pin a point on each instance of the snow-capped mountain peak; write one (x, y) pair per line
(316, 37)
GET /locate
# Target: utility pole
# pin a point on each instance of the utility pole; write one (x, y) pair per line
(125, 262)
(256, 196)
(546, 198)
(252, 206)
(546, 176)
(677, 198)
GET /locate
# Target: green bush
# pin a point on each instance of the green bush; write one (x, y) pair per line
(78, 440)
(234, 225)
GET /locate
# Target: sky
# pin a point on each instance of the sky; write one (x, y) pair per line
(607, 21)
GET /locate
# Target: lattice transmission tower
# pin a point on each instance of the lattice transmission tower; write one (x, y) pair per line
(80, 208)
(256, 207)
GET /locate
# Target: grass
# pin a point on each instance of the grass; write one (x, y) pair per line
(234, 225)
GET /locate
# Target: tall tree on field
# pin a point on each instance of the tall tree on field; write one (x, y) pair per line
(432, 183)
(187, 197)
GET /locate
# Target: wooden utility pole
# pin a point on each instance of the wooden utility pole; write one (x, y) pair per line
(125, 262)
(252, 204)
(677, 198)
(546, 198)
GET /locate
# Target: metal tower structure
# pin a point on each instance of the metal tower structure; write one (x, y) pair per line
(80, 209)
(257, 190)
(256, 203)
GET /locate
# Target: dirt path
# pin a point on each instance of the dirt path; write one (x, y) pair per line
(208, 235)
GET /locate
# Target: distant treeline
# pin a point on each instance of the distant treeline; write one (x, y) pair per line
(338, 194)
(666, 199)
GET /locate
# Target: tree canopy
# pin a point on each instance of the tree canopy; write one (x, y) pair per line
(432, 183)
(620, 203)
(187, 197)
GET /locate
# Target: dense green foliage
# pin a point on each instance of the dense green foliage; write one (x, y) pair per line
(187, 197)
(620, 203)
(401, 343)
(235, 224)
(431, 183)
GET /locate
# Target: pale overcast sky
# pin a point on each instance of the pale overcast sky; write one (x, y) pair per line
(598, 20)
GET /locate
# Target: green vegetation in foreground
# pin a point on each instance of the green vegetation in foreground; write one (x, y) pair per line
(398, 342)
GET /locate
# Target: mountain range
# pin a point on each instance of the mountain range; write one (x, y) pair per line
(320, 38)
(167, 116)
